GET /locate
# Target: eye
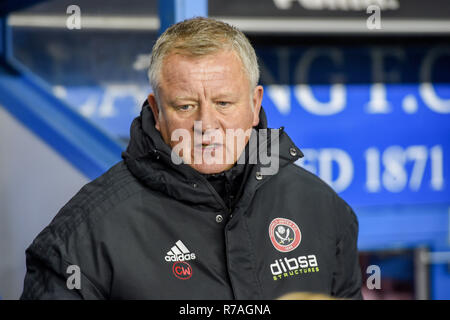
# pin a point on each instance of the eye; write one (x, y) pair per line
(186, 107)
(223, 104)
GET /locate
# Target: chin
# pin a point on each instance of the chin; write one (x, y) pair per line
(211, 168)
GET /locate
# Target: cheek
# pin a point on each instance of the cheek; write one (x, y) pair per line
(241, 120)
(180, 130)
(246, 118)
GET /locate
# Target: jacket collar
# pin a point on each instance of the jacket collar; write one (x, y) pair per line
(148, 158)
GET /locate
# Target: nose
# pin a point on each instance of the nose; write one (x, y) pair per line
(208, 118)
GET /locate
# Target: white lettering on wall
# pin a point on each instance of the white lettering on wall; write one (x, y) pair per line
(378, 102)
(426, 89)
(303, 91)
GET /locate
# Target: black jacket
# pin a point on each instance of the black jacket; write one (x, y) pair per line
(150, 229)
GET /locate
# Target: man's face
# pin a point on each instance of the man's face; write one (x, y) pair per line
(215, 90)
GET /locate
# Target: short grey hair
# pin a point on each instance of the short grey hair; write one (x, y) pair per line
(202, 36)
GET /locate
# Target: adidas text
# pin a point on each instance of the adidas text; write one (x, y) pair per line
(181, 257)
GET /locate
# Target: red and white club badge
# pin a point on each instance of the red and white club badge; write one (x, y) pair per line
(284, 234)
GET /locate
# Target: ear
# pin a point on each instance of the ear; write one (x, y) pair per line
(152, 101)
(257, 100)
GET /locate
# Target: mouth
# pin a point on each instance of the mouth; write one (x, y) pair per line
(209, 146)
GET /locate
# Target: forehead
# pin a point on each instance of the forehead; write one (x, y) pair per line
(216, 69)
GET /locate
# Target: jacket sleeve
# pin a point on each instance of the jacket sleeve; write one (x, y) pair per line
(48, 275)
(347, 276)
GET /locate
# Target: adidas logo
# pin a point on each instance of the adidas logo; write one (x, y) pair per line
(179, 252)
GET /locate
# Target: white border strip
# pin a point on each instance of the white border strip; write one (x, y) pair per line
(350, 25)
(87, 22)
(246, 24)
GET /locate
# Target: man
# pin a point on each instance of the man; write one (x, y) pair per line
(193, 211)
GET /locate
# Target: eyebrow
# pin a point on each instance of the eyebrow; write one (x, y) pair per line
(222, 95)
(183, 98)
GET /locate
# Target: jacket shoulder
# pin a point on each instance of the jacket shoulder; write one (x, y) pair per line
(75, 237)
(306, 178)
(322, 194)
(88, 205)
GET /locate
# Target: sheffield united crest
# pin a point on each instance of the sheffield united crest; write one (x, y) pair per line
(284, 234)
